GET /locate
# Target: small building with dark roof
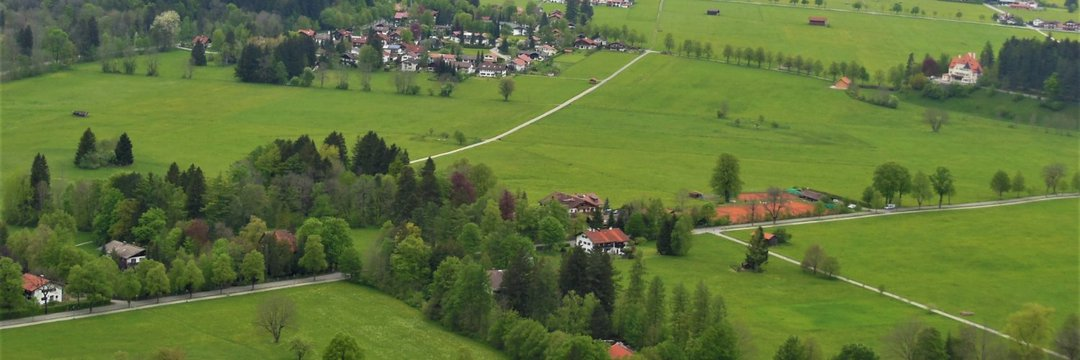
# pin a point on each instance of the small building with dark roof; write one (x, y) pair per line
(819, 21)
(128, 254)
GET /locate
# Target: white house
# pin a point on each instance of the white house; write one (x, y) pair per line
(129, 254)
(37, 288)
(964, 69)
(491, 70)
(611, 241)
(409, 65)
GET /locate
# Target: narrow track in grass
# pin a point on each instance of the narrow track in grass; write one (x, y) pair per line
(561, 106)
(720, 233)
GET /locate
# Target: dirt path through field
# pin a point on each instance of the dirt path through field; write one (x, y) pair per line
(561, 106)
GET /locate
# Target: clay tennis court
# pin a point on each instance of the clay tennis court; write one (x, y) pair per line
(740, 213)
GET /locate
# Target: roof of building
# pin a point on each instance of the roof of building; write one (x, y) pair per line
(307, 32)
(123, 250)
(496, 278)
(201, 39)
(607, 236)
(491, 67)
(818, 19)
(811, 194)
(575, 200)
(618, 350)
(31, 282)
(401, 15)
(967, 60)
(284, 236)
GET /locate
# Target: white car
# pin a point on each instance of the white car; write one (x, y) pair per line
(890, 206)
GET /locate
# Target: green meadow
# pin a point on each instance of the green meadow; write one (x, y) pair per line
(384, 327)
(653, 132)
(214, 120)
(783, 301)
(987, 261)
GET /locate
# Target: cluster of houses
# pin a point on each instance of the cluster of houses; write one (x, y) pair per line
(625, 4)
(411, 56)
(1070, 25)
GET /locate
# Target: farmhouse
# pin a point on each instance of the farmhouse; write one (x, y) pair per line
(819, 21)
(611, 241)
(37, 287)
(964, 69)
(585, 43)
(575, 203)
(128, 254)
(843, 84)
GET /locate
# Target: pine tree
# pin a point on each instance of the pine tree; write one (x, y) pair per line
(87, 146)
(173, 175)
(40, 181)
(407, 198)
(123, 155)
(663, 241)
(430, 190)
(757, 252)
(337, 139)
(195, 188)
(198, 54)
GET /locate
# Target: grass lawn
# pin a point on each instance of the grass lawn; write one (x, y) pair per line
(228, 119)
(989, 261)
(653, 132)
(782, 301)
(1010, 108)
(384, 327)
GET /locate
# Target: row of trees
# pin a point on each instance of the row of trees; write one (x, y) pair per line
(1030, 327)
(760, 56)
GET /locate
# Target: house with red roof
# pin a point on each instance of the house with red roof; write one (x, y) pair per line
(619, 350)
(611, 241)
(36, 288)
(964, 69)
(843, 84)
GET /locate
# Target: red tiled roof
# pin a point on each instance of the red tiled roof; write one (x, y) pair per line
(286, 237)
(618, 351)
(818, 19)
(31, 282)
(307, 32)
(769, 236)
(968, 60)
(607, 236)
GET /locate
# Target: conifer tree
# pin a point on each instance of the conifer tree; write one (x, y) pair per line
(123, 155)
(87, 146)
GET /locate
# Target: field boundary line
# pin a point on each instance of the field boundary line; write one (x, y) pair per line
(176, 299)
(894, 296)
(561, 106)
(864, 215)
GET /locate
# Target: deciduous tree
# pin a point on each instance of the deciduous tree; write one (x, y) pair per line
(275, 314)
(1030, 326)
(1053, 175)
(314, 258)
(1000, 183)
(506, 88)
(942, 182)
(1067, 341)
(725, 179)
(1018, 184)
(343, 347)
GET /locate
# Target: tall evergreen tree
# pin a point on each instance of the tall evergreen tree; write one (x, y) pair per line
(663, 242)
(430, 190)
(195, 188)
(25, 40)
(198, 54)
(122, 154)
(173, 175)
(40, 182)
(654, 312)
(407, 198)
(87, 146)
(757, 252)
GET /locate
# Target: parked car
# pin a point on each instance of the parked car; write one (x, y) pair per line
(890, 206)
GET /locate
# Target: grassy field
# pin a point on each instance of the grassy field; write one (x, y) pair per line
(384, 327)
(783, 301)
(988, 261)
(653, 132)
(162, 115)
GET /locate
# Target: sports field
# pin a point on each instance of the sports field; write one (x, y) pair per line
(384, 327)
(986, 261)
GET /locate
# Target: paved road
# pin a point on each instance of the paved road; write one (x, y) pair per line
(900, 211)
(561, 106)
(719, 231)
(122, 306)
